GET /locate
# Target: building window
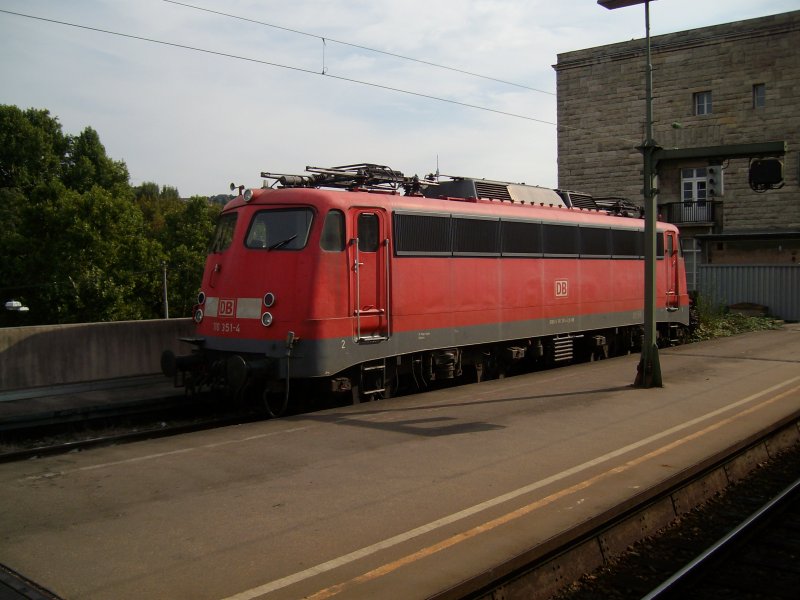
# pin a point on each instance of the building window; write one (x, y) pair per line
(694, 183)
(694, 186)
(759, 95)
(702, 103)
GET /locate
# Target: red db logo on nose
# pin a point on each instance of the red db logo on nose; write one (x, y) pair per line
(562, 288)
(227, 307)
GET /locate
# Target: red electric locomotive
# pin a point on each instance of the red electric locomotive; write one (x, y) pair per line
(364, 288)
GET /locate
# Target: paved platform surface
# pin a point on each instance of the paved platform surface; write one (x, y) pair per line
(394, 499)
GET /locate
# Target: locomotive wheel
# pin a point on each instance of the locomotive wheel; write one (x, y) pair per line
(275, 403)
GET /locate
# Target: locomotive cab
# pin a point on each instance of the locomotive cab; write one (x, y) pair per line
(294, 281)
(255, 284)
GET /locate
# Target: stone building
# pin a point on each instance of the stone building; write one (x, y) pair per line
(727, 86)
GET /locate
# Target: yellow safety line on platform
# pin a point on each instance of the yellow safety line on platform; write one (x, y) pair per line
(494, 523)
(507, 518)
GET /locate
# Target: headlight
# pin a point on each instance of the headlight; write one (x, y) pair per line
(266, 319)
(201, 298)
(198, 316)
(269, 299)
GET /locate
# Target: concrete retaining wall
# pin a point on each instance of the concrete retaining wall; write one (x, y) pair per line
(57, 354)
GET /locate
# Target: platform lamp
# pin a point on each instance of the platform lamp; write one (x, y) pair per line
(649, 371)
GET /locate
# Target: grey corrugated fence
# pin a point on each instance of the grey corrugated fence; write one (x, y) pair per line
(775, 286)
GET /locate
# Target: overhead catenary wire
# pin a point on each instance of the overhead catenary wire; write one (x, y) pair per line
(302, 70)
(325, 39)
(278, 65)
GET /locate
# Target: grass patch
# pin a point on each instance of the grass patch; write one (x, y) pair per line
(713, 321)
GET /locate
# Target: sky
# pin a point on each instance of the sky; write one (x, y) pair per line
(208, 99)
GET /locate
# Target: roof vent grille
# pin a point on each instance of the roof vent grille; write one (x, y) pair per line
(582, 200)
(495, 191)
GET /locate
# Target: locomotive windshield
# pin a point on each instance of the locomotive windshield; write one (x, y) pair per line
(223, 234)
(285, 229)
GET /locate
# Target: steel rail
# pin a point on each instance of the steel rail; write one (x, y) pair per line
(735, 536)
(133, 436)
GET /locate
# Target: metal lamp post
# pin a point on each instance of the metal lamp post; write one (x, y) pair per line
(649, 371)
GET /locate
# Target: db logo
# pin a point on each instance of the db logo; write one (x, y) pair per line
(562, 288)
(227, 307)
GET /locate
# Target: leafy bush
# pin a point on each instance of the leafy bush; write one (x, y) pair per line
(715, 320)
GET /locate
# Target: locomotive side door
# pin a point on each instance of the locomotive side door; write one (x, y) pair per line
(671, 270)
(368, 254)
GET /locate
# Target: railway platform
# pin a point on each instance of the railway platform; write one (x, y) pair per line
(424, 496)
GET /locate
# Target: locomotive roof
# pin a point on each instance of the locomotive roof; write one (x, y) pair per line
(378, 185)
(467, 187)
(513, 209)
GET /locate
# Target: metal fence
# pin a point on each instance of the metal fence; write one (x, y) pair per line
(775, 286)
(696, 212)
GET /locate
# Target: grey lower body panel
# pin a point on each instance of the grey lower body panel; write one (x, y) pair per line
(326, 357)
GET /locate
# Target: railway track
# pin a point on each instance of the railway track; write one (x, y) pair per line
(760, 558)
(153, 413)
(687, 559)
(110, 439)
(81, 428)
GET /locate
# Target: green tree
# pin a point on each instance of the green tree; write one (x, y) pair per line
(106, 267)
(32, 148)
(88, 165)
(13, 244)
(78, 243)
(185, 242)
(183, 228)
(155, 203)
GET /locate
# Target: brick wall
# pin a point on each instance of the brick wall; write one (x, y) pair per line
(601, 107)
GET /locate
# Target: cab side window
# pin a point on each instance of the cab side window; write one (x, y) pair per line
(368, 232)
(333, 235)
(223, 234)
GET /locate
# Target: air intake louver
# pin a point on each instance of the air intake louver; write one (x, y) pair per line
(582, 201)
(494, 191)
